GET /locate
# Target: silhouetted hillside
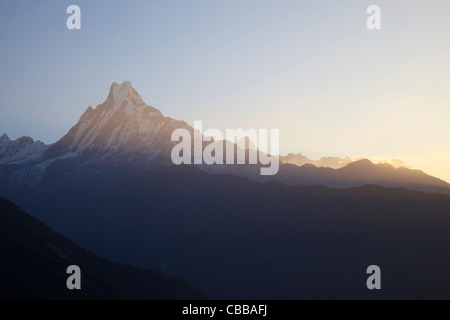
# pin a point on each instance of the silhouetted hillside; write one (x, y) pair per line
(236, 239)
(359, 173)
(34, 260)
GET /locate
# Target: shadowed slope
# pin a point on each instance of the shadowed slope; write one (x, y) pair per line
(35, 259)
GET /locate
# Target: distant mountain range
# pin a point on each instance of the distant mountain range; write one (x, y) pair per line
(35, 259)
(125, 130)
(110, 186)
(335, 162)
(328, 162)
(20, 151)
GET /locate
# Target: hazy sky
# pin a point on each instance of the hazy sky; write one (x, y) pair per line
(309, 68)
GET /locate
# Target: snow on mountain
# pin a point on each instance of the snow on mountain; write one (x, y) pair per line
(328, 162)
(21, 151)
(123, 128)
(122, 124)
(335, 162)
(124, 133)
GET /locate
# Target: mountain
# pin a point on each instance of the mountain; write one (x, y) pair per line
(335, 162)
(110, 186)
(359, 173)
(236, 239)
(35, 259)
(124, 136)
(329, 162)
(123, 126)
(123, 131)
(21, 151)
(345, 172)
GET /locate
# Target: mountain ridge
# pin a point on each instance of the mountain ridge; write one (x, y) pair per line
(124, 129)
(35, 259)
(20, 151)
(236, 239)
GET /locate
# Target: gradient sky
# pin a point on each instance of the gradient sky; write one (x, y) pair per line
(309, 68)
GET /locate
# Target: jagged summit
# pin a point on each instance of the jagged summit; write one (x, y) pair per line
(123, 123)
(126, 84)
(328, 162)
(21, 151)
(118, 93)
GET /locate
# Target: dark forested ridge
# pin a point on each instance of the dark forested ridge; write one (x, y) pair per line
(236, 239)
(34, 260)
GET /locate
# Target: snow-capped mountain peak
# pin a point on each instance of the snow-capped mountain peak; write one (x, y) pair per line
(120, 93)
(124, 136)
(21, 151)
(124, 123)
